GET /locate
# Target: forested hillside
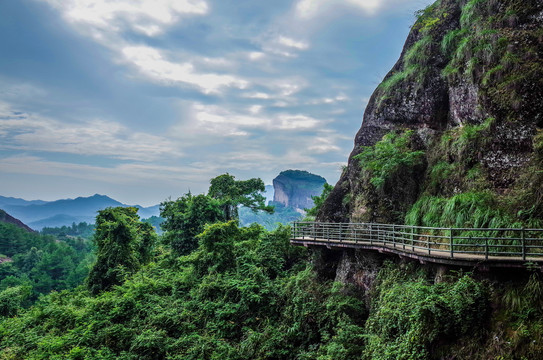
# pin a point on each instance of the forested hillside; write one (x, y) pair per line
(35, 264)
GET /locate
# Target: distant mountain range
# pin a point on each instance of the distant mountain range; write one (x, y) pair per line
(39, 214)
(292, 188)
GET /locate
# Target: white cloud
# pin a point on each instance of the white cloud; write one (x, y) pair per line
(323, 145)
(297, 122)
(329, 100)
(108, 21)
(29, 132)
(286, 41)
(281, 104)
(256, 55)
(222, 122)
(255, 109)
(257, 95)
(151, 63)
(149, 17)
(281, 45)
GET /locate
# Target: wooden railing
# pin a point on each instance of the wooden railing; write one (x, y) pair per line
(462, 243)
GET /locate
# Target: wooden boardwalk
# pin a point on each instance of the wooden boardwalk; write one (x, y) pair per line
(450, 246)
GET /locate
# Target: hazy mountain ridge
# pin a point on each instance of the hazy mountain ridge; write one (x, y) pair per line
(38, 214)
(10, 201)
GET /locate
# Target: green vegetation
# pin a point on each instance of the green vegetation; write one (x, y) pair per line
(469, 209)
(210, 289)
(412, 315)
(461, 145)
(246, 293)
(232, 193)
(319, 200)
(302, 176)
(490, 51)
(185, 218)
(419, 53)
(37, 264)
(389, 156)
(415, 67)
(428, 17)
(123, 244)
(457, 190)
(82, 229)
(243, 293)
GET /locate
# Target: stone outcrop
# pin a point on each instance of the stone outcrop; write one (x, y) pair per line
(294, 188)
(469, 84)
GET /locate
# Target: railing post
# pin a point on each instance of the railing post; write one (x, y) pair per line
(371, 235)
(486, 247)
(355, 236)
(394, 235)
(403, 237)
(314, 233)
(412, 238)
(428, 244)
(451, 243)
(523, 244)
(340, 232)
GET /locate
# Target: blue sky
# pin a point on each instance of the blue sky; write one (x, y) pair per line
(145, 99)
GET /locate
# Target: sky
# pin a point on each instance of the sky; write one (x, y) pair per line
(143, 100)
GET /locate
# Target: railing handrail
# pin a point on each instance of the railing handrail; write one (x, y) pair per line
(422, 227)
(521, 243)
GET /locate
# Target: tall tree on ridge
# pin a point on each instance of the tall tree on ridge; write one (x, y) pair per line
(232, 193)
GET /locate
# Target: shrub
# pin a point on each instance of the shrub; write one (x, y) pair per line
(388, 156)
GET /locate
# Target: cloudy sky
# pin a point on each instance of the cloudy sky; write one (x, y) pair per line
(145, 99)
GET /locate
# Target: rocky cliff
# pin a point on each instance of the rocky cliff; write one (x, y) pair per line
(452, 134)
(294, 188)
(7, 218)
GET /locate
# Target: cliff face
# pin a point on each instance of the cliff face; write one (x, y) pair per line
(294, 188)
(463, 109)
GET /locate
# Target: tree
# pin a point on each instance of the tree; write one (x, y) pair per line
(216, 252)
(147, 240)
(186, 217)
(118, 240)
(12, 299)
(231, 193)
